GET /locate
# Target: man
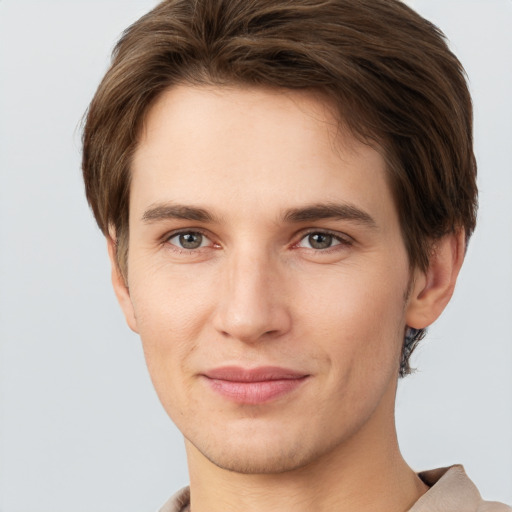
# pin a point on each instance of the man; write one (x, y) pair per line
(287, 190)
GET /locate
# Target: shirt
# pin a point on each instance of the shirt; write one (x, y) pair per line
(451, 490)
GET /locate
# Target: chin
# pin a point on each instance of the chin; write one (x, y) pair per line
(262, 449)
(259, 460)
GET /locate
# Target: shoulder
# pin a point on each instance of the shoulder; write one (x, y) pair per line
(452, 490)
(179, 502)
(493, 506)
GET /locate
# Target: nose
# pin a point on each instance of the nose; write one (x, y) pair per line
(252, 301)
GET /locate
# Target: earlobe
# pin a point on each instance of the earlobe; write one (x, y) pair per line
(433, 288)
(120, 286)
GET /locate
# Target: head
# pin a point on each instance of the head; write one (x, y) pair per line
(380, 77)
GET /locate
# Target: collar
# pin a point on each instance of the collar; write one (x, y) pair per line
(450, 490)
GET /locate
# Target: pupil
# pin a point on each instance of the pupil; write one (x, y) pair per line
(320, 241)
(191, 240)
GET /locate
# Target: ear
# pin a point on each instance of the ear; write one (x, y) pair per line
(120, 286)
(433, 288)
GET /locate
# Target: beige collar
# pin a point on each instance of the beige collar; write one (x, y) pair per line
(450, 491)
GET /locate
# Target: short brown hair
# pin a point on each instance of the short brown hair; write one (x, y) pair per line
(388, 71)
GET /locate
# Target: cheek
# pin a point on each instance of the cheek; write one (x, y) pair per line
(169, 300)
(358, 320)
(171, 311)
(361, 349)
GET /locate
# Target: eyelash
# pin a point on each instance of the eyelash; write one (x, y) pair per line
(344, 241)
(183, 250)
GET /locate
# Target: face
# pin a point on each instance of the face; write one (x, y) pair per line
(266, 275)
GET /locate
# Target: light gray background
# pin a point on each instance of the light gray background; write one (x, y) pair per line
(80, 427)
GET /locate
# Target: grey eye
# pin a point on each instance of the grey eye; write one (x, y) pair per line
(188, 240)
(191, 240)
(320, 240)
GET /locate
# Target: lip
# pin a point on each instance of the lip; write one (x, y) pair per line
(254, 385)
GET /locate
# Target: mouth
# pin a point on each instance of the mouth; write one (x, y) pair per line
(254, 386)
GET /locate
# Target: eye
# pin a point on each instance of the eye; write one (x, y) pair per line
(320, 241)
(189, 240)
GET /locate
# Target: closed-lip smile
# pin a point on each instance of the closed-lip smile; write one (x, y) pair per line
(253, 385)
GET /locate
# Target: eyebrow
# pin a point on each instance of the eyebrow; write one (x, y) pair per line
(310, 213)
(176, 211)
(329, 211)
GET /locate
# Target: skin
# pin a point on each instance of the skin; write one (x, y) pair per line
(259, 290)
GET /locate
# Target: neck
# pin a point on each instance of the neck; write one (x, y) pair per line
(366, 473)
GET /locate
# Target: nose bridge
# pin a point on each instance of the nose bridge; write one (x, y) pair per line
(250, 305)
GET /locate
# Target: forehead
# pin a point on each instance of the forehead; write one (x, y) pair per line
(233, 146)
